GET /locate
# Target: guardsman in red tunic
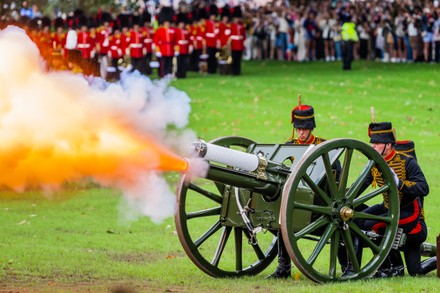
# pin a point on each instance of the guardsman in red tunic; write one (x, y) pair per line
(236, 39)
(136, 47)
(182, 45)
(59, 37)
(164, 39)
(102, 41)
(115, 54)
(195, 51)
(224, 27)
(147, 33)
(44, 39)
(86, 45)
(211, 38)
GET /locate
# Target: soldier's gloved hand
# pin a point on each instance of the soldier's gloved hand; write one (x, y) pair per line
(396, 179)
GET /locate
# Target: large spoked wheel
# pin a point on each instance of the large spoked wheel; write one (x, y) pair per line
(204, 237)
(336, 212)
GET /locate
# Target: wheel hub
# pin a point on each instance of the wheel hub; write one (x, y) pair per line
(346, 213)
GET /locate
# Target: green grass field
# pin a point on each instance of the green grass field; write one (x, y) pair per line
(75, 241)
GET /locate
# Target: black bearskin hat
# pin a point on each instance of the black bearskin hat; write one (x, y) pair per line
(146, 17)
(303, 116)
(166, 14)
(45, 22)
(237, 12)
(213, 10)
(123, 20)
(406, 147)
(58, 22)
(381, 132)
(226, 11)
(182, 17)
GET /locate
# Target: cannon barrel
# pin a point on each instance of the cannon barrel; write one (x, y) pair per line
(243, 170)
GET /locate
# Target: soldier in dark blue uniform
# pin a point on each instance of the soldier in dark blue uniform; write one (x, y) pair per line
(412, 187)
(303, 120)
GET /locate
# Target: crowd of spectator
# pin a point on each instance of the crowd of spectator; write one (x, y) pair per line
(389, 31)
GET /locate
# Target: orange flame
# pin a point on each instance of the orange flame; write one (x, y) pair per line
(54, 127)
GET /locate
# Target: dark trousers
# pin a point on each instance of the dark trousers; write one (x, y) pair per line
(182, 65)
(347, 54)
(194, 60)
(212, 60)
(236, 62)
(138, 64)
(166, 65)
(148, 59)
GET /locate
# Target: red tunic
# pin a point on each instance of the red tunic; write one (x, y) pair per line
(115, 46)
(148, 34)
(211, 34)
(224, 33)
(136, 44)
(102, 40)
(238, 36)
(164, 38)
(85, 44)
(182, 41)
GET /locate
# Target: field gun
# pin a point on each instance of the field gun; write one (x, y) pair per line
(228, 222)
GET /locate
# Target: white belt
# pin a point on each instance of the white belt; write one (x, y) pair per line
(148, 41)
(114, 47)
(136, 45)
(182, 42)
(236, 38)
(199, 38)
(210, 35)
(82, 46)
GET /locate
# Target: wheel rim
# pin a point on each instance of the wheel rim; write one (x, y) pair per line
(219, 251)
(316, 256)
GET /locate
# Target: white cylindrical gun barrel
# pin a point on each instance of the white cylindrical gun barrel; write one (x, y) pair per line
(223, 155)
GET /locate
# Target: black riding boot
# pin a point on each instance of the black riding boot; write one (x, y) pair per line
(284, 262)
(349, 270)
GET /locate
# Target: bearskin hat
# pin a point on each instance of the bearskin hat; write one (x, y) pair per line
(58, 22)
(381, 132)
(226, 11)
(237, 12)
(213, 10)
(166, 14)
(303, 116)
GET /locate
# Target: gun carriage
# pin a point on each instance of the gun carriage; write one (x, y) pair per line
(228, 222)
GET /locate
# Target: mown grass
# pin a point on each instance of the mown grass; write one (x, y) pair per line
(77, 241)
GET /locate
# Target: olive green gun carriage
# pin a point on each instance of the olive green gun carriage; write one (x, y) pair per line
(228, 222)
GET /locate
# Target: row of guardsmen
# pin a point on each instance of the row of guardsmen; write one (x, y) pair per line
(180, 43)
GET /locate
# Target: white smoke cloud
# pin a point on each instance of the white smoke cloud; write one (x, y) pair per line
(45, 110)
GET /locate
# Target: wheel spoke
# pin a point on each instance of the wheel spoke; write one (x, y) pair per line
(327, 210)
(345, 171)
(318, 223)
(256, 247)
(204, 213)
(356, 186)
(238, 249)
(206, 193)
(376, 249)
(318, 191)
(214, 228)
(348, 241)
(380, 218)
(334, 247)
(221, 245)
(321, 243)
(331, 182)
(363, 199)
